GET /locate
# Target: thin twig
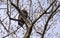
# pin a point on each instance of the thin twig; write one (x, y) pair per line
(3, 26)
(12, 32)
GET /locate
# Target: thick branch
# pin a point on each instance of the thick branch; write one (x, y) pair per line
(15, 19)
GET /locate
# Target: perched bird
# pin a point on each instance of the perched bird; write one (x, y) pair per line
(25, 15)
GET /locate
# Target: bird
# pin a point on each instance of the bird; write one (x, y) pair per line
(25, 15)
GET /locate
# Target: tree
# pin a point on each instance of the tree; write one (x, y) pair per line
(38, 21)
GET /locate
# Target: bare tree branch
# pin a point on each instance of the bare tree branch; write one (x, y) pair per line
(44, 12)
(17, 3)
(45, 27)
(17, 8)
(3, 26)
(28, 33)
(12, 32)
(37, 31)
(15, 19)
